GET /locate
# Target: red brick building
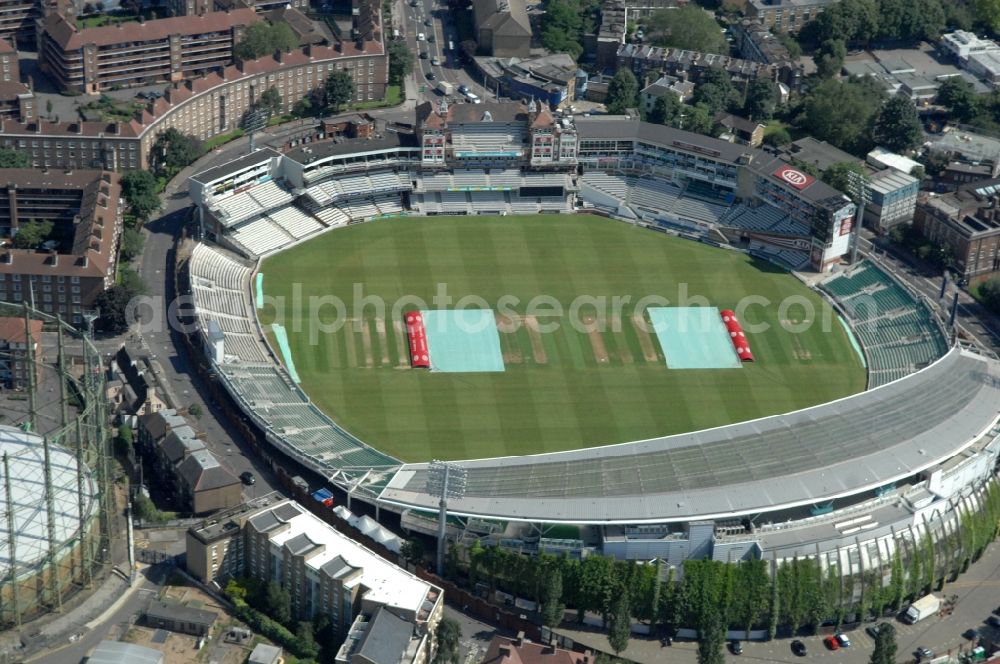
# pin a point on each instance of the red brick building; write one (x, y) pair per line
(15, 346)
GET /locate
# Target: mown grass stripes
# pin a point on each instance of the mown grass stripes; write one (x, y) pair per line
(571, 400)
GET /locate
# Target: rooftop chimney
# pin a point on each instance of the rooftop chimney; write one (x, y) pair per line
(7, 258)
(519, 641)
(504, 651)
(549, 649)
(53, 259)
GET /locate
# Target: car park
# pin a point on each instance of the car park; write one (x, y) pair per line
(247, 478)
(799, 648)
(831, 643)
(736, 647)
(843, 640)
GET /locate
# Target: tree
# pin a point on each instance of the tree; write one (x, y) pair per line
(910, 20)
(689, 27)
(841, 112)
(195, 411)
(303, 108)
(762, 98)
(794, 50)
(272, 102)
(173, 150)
(711, 636)
(715, 90)
(277, 602)
(412, 551)
(885, 647)
(667, 110)
(132, 243)
(552, 607)
(139, 192)
(113, 304)
(305, 638)
(400, 61)
(852, 21)
(829, 58)
(124, 440)
(32, 234)
(622, 92)
(448, 635)
(839, 175)
(989, 294)
(621, 623)
(13, 159)
(897, 126)
(260, 39)
(561, 27)
(700, 119)
(959, 97)
(339, 88)
(778, 137)
(988, 13)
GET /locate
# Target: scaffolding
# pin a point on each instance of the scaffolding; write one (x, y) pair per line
(75, 431)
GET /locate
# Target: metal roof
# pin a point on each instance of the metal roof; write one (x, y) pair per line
(115, 652)
(841, 448)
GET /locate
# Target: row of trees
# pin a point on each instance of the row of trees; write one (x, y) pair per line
(713, 596)
(688, 27)
(989, 294)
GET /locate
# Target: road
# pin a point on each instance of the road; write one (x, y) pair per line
(977, 591)
(150, 579)
(412, 21)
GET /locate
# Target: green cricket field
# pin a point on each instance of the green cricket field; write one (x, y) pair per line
(582, 365)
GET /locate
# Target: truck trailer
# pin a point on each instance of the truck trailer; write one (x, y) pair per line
(445, 88)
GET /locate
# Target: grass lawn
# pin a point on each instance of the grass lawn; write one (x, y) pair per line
(393, 97)
(563, 389)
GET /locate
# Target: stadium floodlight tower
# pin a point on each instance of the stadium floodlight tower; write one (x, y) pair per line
(858, 183)
(445, 480)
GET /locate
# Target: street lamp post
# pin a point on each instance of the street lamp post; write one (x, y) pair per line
(445, 480)
(862, 192)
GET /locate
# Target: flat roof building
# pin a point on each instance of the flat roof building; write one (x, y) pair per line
(324, 571)
(784, 15)
(962, 44)
(179, 618)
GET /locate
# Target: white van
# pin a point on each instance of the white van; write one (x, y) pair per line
(473, 97)
(421, 36)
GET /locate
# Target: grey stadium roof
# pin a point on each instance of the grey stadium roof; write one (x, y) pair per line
(814, 455)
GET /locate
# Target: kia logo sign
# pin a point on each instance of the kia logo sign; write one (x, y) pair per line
(797, 179)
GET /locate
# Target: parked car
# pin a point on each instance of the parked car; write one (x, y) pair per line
(873, 630)
(843, 640)
(247, 477)
(428, 22)
(924, 653)
(736, 647)
(831, 643)
(971, 634)
(993, 621)
(799, 648)
(463, 89)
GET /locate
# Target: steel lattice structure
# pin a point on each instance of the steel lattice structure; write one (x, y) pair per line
(56, 493)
